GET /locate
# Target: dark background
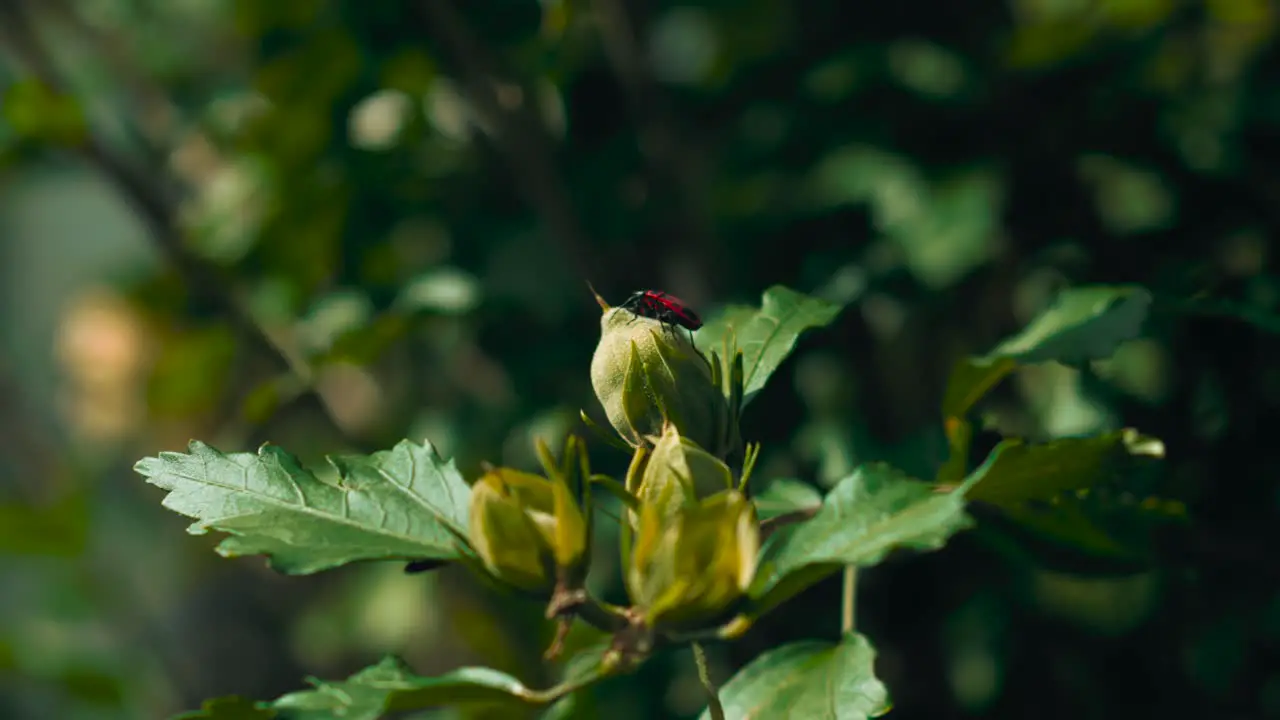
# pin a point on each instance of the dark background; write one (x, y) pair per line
(409, 196)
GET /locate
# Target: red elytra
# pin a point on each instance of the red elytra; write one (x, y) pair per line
(663, 307)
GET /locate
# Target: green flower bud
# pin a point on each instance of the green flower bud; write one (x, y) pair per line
(689, 568)
(679, 463)
(528, 530)
(647, 375)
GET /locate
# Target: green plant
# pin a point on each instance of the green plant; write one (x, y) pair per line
(703, 561)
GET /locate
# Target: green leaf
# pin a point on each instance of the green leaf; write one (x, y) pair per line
(444, 290)
(785, 496)
(1072, 518)
(766, 335)
(866, 515)
(811, 680)
(1067, 523)
(1088, 532)
(403, 504)
(391, 687)
(970, 380)
(1083, 323)
(1018, 472)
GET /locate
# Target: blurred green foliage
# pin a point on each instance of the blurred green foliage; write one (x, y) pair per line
(407, 197)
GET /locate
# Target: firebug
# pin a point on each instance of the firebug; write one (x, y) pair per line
(663, 307)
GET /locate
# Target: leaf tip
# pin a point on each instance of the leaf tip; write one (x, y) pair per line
(146, 467)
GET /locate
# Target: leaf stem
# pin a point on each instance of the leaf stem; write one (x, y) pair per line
(848, 599)
(603, 435)
(618, 490)
(704, 674)
(728, 631)
(555, 692)
(601, 615)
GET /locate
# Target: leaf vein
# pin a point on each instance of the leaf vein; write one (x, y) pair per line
(288, 506)
(763, 343)
(407, 490)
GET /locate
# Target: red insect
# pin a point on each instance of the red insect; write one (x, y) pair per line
(664, 308)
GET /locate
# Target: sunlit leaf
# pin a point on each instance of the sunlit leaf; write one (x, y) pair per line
(445, 290)
(1083, 323)
(818, 680)
(406, 503)
(766, 335)
(865, 516)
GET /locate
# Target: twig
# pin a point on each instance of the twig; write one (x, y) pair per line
(731, 630)
(518, 129)
(155, 208)
(704, 674)
(572, 685)
(848, 599)
(595, 613)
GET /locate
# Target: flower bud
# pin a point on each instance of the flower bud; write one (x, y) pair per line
(528, 530)
(689, 568)
(691, 472)
(647, 375)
